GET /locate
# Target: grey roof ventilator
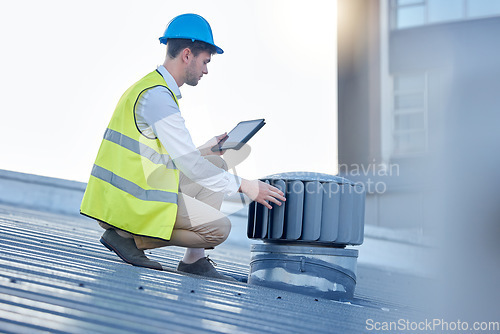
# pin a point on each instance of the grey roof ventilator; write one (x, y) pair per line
(305, 238)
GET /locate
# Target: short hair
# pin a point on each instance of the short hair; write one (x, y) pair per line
(176, 45)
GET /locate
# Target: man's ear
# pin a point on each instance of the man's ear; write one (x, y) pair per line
(185, 55)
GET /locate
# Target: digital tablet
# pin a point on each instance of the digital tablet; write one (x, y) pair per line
(238, 136)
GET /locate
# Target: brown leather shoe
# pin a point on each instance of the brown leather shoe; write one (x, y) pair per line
(203, 267)
(127, 250)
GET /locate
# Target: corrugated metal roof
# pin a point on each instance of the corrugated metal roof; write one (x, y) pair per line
(55, 276)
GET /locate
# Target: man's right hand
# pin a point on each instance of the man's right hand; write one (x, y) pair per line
(206, 149)
(262, 192)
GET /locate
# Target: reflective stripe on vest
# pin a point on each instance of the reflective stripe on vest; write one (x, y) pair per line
(132, 188)
(134, 183)
(139, 148)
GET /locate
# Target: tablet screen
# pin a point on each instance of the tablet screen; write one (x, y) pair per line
(241, 134)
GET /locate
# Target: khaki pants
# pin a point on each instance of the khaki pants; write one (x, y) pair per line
(199, 223)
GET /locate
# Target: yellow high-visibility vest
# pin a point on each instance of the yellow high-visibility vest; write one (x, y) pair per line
(134, 183)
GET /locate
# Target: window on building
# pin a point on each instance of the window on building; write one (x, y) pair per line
(478, 8)
(444, 10)
(409, 121)
(410, 16)
(412, 13)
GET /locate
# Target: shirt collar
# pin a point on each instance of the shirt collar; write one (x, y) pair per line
(169, 79)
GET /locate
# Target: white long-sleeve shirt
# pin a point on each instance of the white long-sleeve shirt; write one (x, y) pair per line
(157, 115)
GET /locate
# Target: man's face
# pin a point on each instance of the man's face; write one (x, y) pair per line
(197, 67)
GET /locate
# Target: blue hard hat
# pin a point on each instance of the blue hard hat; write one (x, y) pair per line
(190, 26)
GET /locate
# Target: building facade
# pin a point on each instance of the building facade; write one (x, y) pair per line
(412, 76)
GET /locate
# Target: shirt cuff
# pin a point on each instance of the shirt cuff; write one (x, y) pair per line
(234, 183)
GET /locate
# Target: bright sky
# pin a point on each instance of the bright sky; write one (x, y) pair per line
(65, 64)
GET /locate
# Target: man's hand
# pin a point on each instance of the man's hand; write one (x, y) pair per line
(206, 149)
(262, 192)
